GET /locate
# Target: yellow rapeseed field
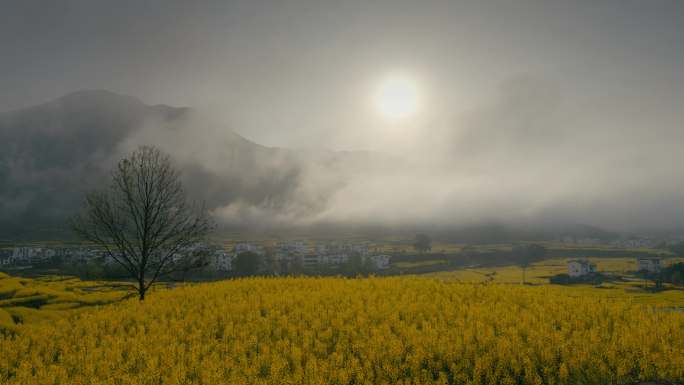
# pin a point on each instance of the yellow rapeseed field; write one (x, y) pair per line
(399, 330)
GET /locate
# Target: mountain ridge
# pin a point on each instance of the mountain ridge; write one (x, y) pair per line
(57, 150)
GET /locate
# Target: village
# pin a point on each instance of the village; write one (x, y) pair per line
(289, 256)
(219, 259)
(582, 267)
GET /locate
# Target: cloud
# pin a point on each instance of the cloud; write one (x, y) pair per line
(529, 155)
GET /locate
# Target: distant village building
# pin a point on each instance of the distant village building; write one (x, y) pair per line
(316, 260)
(30, 255)
(290, 253)
(342, 248)
(294, 247)
(649, 264)
(580, 267)
(380, 262)
(248, 247)
(222, 261)
(335, 254)
(7, 260)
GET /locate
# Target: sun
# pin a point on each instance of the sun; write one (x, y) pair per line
(397, 97)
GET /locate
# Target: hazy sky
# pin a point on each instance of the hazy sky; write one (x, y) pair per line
(301, 73)
(526, 109)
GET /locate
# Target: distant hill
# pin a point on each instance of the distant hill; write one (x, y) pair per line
(52, 153)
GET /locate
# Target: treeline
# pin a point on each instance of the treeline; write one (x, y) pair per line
(467, 257)
(673, 274)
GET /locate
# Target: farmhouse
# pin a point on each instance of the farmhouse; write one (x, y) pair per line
(7, 261)
(649, 264)
(342, 248)
(580, 267)
(248, 247)
(380, 262)
(222, 261)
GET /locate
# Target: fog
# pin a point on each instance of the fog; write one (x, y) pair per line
(527, 155)
(530, 112)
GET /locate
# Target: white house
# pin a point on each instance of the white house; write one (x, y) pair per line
(313, 260)
(295, 247)
(649, 264)
(380, 262)
(248, 247)
(32, 254)
(578, 268)
(342, 248)
(7, 260)
(222, 261)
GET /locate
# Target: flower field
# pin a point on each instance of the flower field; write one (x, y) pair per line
(399, 330)
(31, 300)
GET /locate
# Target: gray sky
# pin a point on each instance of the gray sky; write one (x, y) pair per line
(299, 73)
(528, 109)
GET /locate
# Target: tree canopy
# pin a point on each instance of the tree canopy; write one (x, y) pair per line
(143, 220)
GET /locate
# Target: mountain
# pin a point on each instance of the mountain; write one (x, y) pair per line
(54, 152)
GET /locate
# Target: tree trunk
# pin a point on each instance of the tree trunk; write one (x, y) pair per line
(141, 288)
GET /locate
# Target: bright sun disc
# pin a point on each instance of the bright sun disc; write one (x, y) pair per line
(397, 97)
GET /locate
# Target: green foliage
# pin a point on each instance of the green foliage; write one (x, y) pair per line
(673, 274)
(247, 263)
(677, 249)
(565, 279)
(422, 243)
(529, 253)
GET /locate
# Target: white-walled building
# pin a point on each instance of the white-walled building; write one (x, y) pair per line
(314, 260)
(222, 261)
(650, 264)
(27, 255)
(380, 262)
(7, 261)
(293, 247)
(248, 247)
(578, 268)
(342, 248)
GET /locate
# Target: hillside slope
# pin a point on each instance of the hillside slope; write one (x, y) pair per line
(54, 152)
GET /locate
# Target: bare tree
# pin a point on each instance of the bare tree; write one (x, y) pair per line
(528, 254)
(143, 220)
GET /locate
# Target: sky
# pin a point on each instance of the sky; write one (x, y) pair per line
(301, 73)
(567, 106)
